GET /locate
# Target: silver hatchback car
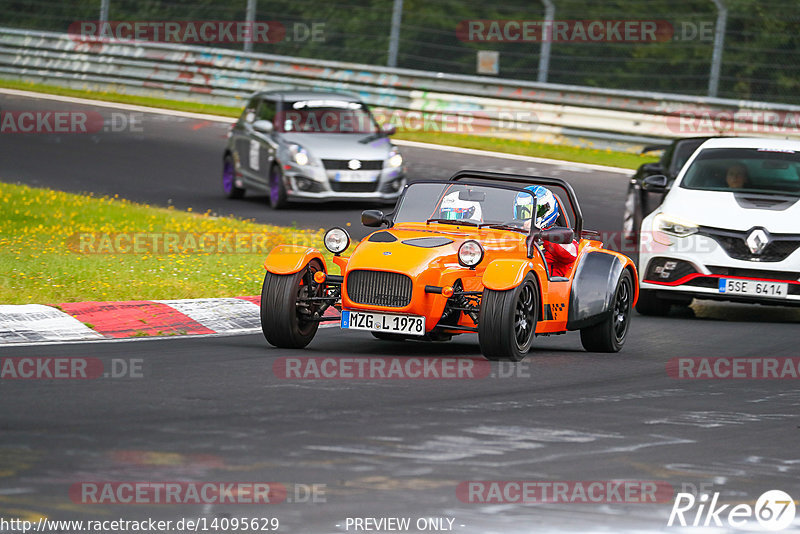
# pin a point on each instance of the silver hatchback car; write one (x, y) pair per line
(311, 146)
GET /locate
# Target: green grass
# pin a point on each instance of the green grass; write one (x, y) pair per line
(625, 160)
(44, 261)
(195, 107)
(526, 148)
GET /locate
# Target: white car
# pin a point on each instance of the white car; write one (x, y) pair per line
(728, 229)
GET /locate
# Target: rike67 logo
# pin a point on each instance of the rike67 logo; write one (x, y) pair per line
(774, 510)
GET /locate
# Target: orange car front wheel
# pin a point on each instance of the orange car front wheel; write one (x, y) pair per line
(507, 321)
(287, 314)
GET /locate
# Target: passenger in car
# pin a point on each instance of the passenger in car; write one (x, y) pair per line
(736, 176)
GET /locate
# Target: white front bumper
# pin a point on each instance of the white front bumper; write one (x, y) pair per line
(711, 262)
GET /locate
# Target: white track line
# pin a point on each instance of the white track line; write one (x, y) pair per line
(229, 120)
(144, 338)
(115, 105)
(517, 157)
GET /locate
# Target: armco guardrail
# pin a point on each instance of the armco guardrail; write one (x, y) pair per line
(502, 108)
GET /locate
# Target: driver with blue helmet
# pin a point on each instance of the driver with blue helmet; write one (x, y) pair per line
(544, 206)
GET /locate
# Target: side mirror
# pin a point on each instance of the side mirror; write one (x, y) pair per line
(655, 184)
(389, 129)
(373, 218)
(561, 236)
(263, 126)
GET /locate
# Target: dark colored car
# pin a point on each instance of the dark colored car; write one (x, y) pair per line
(645, 196)
(311, 146)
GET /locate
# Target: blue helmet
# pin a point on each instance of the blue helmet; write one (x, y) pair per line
(546, 209)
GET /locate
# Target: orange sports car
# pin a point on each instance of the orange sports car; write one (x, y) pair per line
(467, 255)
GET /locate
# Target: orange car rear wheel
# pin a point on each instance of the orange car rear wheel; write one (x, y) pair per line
(610, 335)
(507, 321)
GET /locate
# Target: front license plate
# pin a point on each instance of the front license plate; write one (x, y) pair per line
(355, 176)
(411, 325)
(753, 288)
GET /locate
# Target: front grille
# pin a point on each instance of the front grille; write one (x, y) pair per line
(343, 165)
(733, 242)
(754, 273)
(354, 187)
(707, 282)
(378, 288)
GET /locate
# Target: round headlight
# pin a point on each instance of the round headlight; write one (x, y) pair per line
(337, 240)
(395, 159)
(470, 253)
(299, 155)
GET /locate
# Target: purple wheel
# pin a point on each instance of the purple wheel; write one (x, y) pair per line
(229, 179)
(277, 191)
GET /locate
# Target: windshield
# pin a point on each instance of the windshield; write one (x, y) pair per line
(458, 203)
(745, 170)
(326, 116)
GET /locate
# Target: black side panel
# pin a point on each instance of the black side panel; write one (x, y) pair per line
(592, 288)
(382, 237)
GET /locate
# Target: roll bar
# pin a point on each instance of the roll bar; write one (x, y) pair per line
(527, 180)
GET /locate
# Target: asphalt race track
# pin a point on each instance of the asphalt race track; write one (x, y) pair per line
(217, 409)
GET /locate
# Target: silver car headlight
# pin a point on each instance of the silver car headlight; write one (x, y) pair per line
(299, 155)
(395, 159)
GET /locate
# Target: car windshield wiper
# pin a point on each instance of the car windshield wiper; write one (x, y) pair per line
(500, 226)
(454, 221)
(371, 137)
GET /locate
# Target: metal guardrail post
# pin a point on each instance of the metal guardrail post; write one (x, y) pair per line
(394, 36)
(104, 10)
(547, 38)
(719, 44)
(250, 17)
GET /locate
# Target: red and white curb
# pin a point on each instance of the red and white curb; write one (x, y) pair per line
(86, 321)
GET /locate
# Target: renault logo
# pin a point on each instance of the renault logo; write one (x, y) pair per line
(354, 164)
(757, 241)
